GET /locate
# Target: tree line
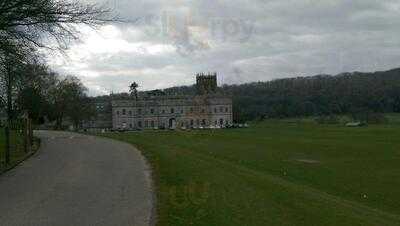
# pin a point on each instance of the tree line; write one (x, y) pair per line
(356, 94)
(46, 96)
(27, 86)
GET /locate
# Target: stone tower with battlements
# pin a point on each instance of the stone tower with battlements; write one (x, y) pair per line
(206, 83)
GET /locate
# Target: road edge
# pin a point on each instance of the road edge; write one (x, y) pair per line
(28, 155)
(149, 174)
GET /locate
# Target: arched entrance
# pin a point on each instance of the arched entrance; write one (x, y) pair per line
(172, 123)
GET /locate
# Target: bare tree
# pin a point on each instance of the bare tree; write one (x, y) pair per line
(12, 61)
(26, 25)
(133, 89)
(29, 21)
(68, 99)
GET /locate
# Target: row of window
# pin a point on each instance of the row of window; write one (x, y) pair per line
(172, 111)
(191, 123)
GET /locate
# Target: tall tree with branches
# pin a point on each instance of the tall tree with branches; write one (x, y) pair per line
(26, 25)
(133, 90)
(29, 21)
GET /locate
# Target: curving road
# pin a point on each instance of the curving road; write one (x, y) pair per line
(78, 180)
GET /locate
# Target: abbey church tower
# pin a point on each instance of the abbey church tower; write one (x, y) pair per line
(206, 83)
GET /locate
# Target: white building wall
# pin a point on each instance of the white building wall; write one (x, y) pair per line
(185, 111)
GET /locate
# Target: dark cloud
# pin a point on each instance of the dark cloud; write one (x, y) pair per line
(169, 41)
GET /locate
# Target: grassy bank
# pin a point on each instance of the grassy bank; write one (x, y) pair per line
(275, 173)
(2, 143)
(17, 153)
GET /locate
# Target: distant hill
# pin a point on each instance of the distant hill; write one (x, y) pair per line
(346, 93)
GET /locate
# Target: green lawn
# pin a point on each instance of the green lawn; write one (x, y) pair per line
(275, 173)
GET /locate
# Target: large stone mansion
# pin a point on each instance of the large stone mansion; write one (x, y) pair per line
(207, 108)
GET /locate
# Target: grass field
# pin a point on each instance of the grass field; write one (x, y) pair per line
(275, 173)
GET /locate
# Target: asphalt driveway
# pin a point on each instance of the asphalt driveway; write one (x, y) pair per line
(78, 180)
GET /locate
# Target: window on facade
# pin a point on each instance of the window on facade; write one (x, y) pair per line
(203, 110)
(152, 124)
(146, 124)
(163, 111)
(130, 125)
(191, 122)
(221, 121)
(139, 111)
(221, 109)
(191, 110)
(172, 111)
(216, 122)
(197, 122)
(203, 122)
(123, 111)
(117, 112)
(152, 111)
(215, 110)
(130, 112)
(181, 111)
(226, 109)
(140, 124)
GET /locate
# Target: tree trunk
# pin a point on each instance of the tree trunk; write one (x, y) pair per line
(9, 112)
(59, 121)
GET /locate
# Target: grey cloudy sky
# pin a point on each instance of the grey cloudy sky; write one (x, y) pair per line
(168, 41)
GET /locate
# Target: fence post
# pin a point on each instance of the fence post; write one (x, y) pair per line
(7, 151)
(25, 130)
(30, 133)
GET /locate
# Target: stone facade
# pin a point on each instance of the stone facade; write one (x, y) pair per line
(206, 109)
(206, 84)
(172, 112)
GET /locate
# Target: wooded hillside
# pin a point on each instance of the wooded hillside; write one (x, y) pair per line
(347, 93)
